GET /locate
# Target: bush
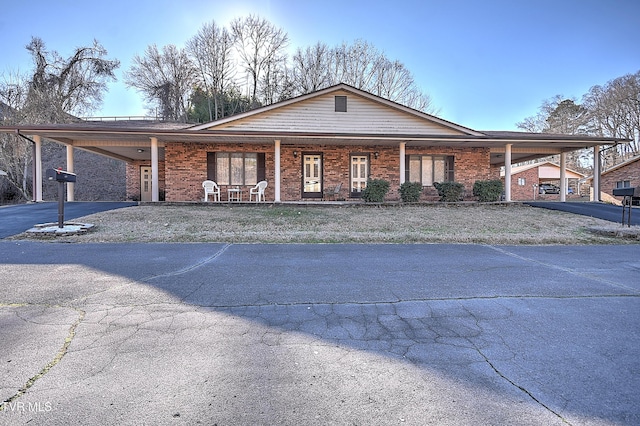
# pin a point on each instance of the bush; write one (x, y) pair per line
(487, 190)
(410, 191)
(450, 191)
(375, 191)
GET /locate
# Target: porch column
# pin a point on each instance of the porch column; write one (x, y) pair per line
(563, 176)
(507, 172)
(37, 169)
(155, 191)
(403, 146)
(276, 174)
(596, 173)
(70, 185)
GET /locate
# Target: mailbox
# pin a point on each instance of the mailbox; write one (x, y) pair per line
(60, 175)
(627, 192)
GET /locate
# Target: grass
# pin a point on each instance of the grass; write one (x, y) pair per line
(441, 223)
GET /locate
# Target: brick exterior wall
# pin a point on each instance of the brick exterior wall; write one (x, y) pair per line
(182, 177)
(630, 172)
(526, 191)
(133, 178)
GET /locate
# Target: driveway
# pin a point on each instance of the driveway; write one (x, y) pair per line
(598, 210)
(174, 334)
(18, 218)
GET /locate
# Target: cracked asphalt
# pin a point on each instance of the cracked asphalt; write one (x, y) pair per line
(173, 334)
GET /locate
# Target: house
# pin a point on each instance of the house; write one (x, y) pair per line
(526, 181)
(623, 175)
(305, 145)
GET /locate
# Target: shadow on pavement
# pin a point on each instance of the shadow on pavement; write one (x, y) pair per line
(499, 335)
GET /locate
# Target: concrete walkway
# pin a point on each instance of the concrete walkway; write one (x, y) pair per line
(183, 334)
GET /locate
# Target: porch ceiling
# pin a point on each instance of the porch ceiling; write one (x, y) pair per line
(134, 143)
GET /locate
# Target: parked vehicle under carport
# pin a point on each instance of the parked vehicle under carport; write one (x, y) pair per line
(547, 188)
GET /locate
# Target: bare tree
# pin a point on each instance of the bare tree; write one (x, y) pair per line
(211, 50)
(259, 44)
(614, 110)
(15, 153)
(276, 84)
(74, 85)
(356, 64)
(165, 78)
(360, 65)
(54, 91)
(538, 123)
(560, 115)
(311, 68)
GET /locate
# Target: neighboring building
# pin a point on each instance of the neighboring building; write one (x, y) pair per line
(626, 174)
(526, 181)
(305, 145)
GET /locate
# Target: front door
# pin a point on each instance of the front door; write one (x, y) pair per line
(145, 183)
(312, 176)
(359, 174)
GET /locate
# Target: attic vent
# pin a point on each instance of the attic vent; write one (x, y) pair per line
(341, 104)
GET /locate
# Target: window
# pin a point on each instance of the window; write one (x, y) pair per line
(235, 168)
(428, 169)
(522, 181)
(623, 184)
(341, 104)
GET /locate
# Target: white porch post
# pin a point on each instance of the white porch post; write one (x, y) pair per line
(37, 161)
(596, 173)
(276, 174)
(70, 185)
(155, 191)
(563, 176)
(507, 172)
(403, 146)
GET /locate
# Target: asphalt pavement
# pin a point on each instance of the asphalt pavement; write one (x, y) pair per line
(15, 219)
(593, 209)
(174, 334)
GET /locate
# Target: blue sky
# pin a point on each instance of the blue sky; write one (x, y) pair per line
(487, 64)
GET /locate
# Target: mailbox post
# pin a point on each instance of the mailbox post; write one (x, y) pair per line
(62, 177)
(630, 194)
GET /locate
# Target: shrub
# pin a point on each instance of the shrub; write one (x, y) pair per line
(410, 191)
(375, 191)
(487, 190)
(450, 191)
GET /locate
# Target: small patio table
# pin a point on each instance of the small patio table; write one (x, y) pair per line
(234, 194)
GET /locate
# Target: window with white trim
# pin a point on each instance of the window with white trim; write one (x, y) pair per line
(428, 169)
(522, 181)
(623, 184)
(236, 168)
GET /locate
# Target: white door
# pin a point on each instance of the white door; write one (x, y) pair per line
(312, 176)
(145, 183)
(359, 174)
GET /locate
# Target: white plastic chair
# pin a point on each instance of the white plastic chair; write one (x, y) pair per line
(258, 191)
(210, 187)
